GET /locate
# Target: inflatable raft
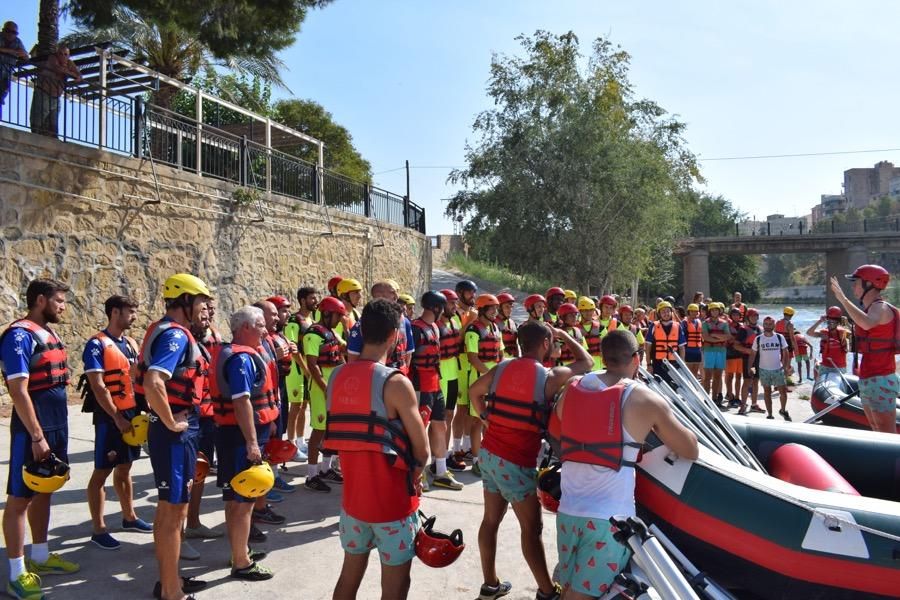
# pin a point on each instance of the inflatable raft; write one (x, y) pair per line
(828, 389)
(765, 537)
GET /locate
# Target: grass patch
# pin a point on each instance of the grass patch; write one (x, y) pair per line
(500, 275)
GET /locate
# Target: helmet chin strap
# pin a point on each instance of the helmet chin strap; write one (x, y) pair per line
(867, 287)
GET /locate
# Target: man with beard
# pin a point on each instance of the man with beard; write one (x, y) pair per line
(297, 381)
(466, 313)
(774, 362)
(35, 369)
(108, 358)
(401, 355)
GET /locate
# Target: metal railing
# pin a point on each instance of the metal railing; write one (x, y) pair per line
(86, 114)
(801, 227)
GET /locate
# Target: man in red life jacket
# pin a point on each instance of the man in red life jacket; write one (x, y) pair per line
(451, 347)
(323, 351)
(170, 377)
(716, 335)
(597, 475)
(507, 324)
(283, 306)
(108, 359)
(568, 321)
(738, 304)
(785, 327)
(834, 341)
(514, 399)
(380, 500)
(35, 369)
(876, 332)
(246, 408)
(693, 332)
(803, 355)
(734, 363)
(744, 344)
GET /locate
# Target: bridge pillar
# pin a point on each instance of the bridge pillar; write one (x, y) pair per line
(696, 273)
(840, 262)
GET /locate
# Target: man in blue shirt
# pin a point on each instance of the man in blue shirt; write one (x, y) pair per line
(11, 52)
(35, 369)
(108, 357)
(384, 289)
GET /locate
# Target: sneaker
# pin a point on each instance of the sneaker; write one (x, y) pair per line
(283, 486)
(254, 556)
(256, 535)
(55, 565)
(202, 532)
(189, 585)
(274, 497)
(756, 409)
(424, 479)
(27, 586)
(188, 552)
(446, 481)
(457, 466)
(742, 412)
(785, 415)
(770, 417)
(254, 572)
(489, 592)
(316, 484)
(554, 595)
(105, 541)
(267, 515)
(137, 525)
(300, 456)
(332, 476)
(302, 445)
(734, 403)
(476, 469)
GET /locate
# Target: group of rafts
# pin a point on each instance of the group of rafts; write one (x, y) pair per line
(786, 510)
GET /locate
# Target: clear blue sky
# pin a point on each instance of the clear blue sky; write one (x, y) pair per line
(749, 78)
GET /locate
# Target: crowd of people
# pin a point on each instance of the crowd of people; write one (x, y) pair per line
(397, 402)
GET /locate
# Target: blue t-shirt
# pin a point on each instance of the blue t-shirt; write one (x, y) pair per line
(240, 372)
(168, 350)
(49, 405)
(355, 343)
(93, 363)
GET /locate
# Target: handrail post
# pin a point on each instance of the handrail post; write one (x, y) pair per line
(737, 232)
(367, 200)
(269, 155)
(768, 227)
(198, 116)
(101, 134)
(243, 160)
(138, 127)
(406, 211)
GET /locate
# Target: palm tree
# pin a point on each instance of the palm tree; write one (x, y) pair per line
(171, 52)
(48, 26)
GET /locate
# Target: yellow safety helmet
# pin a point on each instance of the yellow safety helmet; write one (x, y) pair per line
(348, 285)
(789, 311)
(406, 299)
(393, 283)
(693, 306)
(662, 305)
(47, 476)
(184, 283)
(585, 303)
(140, 425)
(254, 482)
(570, 294)
(715, 306)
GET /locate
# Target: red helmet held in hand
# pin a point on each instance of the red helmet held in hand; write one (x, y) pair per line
(548, 487)
(279, 451)
(437, 549)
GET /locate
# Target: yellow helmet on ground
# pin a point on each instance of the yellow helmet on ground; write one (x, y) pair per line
(140, 425)
(348, 285)
(254, 482)
(693, 306)
(184, 283)
(47, 476)
(662, 305)
(570, 294)
(585, 303)
(789, 311)
(406, 299)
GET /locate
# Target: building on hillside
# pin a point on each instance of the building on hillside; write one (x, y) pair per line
(861, 186)
(750, 227)
(781, 225)
(828, 207)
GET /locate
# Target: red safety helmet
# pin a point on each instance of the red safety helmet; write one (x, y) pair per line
(279, 451)
(202, 469)
(752, 312)
(608, 299)
(834, 312)
(548, 487)
(567, 309)
(437, 549)
(486, 300)
(333, 282)
(626, 308)
(450, 295)
(555, 291)
(874, 275)
(533, 299)
(505, 297)
(332, 305)
(279, 301)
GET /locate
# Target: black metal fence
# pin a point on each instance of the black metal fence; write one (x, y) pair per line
(86, 115)
(784, 227)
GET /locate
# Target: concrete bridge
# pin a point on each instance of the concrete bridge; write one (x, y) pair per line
(843, 252)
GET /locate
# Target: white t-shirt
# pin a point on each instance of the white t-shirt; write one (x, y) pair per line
(769, 348)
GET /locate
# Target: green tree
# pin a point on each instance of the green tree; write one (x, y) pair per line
(573, 178)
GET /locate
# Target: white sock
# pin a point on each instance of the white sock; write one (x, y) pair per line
(467, 443)
(40, 552)
(312, 470)
(16, 567)
(475, 459)
(329, 464)
(441, 465)
(457, 444)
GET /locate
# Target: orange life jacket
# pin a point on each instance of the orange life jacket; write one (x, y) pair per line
(516, 397)
(581, 439)
(450, 338)
(116, 372)
(509, 332)
(694, 331)
(49, 363)
(182, 388)
(330, 350)
(262, 395)
(781, 327)
(489, 341)
(665, 345)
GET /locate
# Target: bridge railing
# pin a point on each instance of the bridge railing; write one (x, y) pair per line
(800, 227)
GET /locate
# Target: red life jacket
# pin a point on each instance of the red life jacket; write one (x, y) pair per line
(799, 338)
(357, 415)
(753, 332)
(741, 307)
(565, 355)
(330, 350)
(665, 345)
(593, 335)
(212, 338)
(450, 338)
(182, 388)
(833, 348)
(781, 326)
(516, 397)
(262, 394)
(206, 360)
(581, 439)
(49, 362)
(879, 345)
(116, 372)
(719, 325)
(694, 331)
(490, 342)
(397, 358)
(426, 359)
(509, 332)
(278, 341)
